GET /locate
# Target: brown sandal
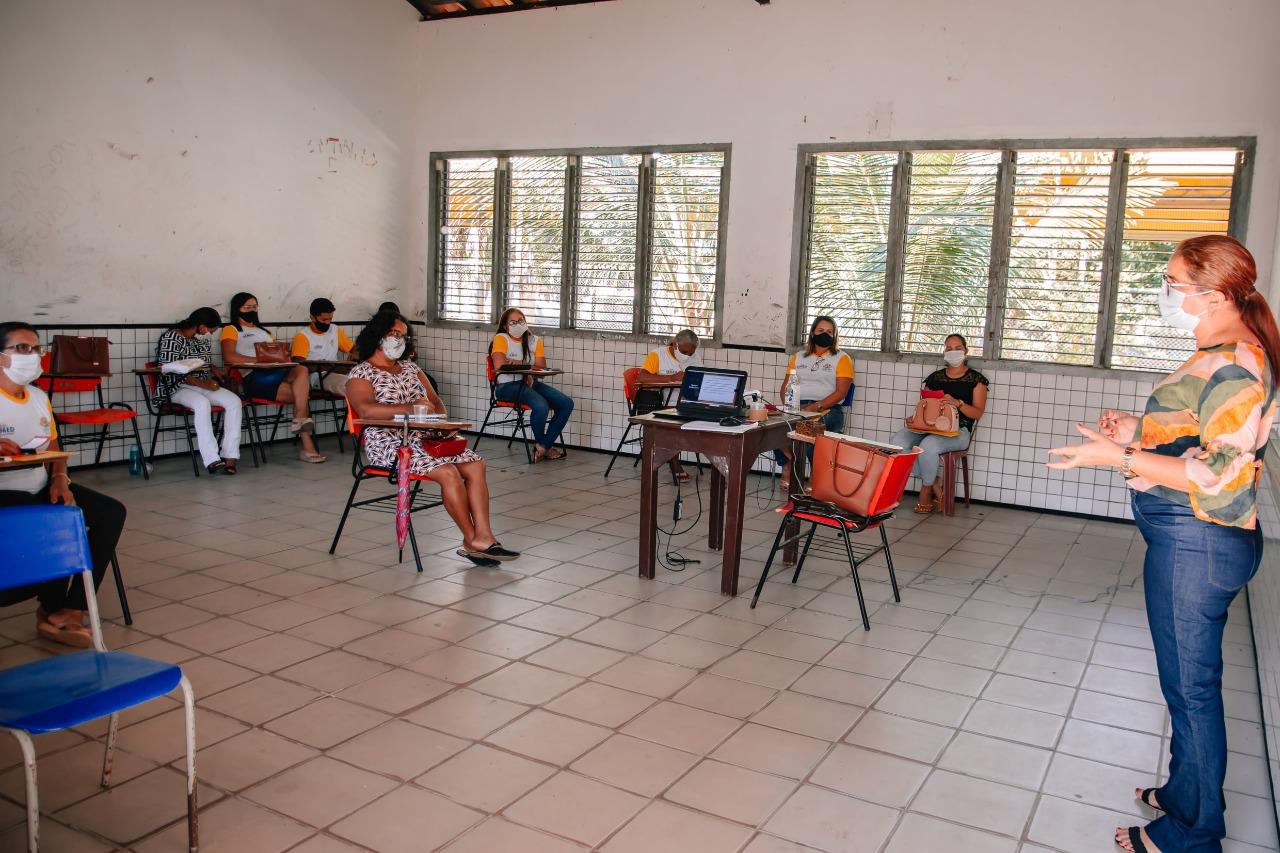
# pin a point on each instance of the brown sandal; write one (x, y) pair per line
(924, 509)
(70, 633)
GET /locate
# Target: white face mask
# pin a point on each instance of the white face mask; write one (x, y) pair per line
(1170, 301)
(517, 330)
(953, 357)
(24, 368)
(681, 358)
(392, 348)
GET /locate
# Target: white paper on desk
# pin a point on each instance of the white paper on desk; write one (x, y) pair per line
(411, 418)
(712, 426)
(183, 366)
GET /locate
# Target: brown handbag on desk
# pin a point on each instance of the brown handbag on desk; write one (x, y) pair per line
(847, 474)
(79, 354)
(271, 352)
(934, 415)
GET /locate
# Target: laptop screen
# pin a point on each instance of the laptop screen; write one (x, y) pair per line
(704, 386)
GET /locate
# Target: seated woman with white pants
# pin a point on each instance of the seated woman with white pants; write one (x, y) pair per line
(200, 390)
(962, 387)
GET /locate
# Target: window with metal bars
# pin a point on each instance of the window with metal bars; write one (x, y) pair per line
(626, 241)
(1039, 252)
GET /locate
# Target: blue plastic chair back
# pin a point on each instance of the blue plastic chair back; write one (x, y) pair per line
(42, 543)
(848, 398)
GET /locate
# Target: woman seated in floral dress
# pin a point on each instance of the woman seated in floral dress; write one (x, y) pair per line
(385, 384)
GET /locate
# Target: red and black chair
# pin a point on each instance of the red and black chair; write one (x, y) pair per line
(362, 471)
(846, 525)
(519, 424)
(174, 410)
(100, 419)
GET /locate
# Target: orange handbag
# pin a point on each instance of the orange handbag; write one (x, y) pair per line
(935, 416)
(848, 475)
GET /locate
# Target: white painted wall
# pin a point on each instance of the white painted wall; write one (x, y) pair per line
(158, 155)
(767, 78)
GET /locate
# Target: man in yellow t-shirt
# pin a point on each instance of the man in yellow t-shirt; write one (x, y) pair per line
(323, 341)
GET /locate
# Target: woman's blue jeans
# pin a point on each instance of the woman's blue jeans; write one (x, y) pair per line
(931, 448)
(541, 400)
(833, 420)
(1192, 572)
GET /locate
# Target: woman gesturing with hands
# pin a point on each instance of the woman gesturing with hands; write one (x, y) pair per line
(1193, 461)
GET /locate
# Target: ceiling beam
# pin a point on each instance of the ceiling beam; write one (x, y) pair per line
(422, 7)
(472, 11)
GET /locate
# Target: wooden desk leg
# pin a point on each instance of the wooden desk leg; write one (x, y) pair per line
(799, 458)
(648, 507)
(735, 506)
(715, 510)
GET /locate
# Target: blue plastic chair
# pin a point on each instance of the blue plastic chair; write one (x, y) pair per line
(46, 543)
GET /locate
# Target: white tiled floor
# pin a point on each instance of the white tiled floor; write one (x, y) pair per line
(561, 703)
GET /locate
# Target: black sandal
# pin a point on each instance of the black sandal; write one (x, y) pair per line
(218, 467)
(1135, 838)
(495, 552)
(482, 562)
(1145, 796)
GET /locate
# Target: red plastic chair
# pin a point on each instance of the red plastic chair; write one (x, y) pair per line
(630, 385)
(845, 524)
(256, 421)
(361, 470)
(159, 413)
(103, 416)
(950, 461)
(520, 425)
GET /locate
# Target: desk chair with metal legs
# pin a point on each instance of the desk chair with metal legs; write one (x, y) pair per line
(49, 543)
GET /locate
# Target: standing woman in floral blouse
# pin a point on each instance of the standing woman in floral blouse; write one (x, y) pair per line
(1193, 460)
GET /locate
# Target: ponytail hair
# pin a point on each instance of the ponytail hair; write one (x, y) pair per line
(1224, 264)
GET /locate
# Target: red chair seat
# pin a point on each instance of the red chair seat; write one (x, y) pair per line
(263, 401)
(95, 416)
(383, 472)
(504, 405)
(175, 409)
(825, 521)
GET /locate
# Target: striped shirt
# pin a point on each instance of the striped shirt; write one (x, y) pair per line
(1215, 411)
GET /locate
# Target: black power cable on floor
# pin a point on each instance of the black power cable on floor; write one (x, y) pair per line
(670, 560)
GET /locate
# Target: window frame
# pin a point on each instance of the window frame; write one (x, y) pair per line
(997, 284)
(568, 308)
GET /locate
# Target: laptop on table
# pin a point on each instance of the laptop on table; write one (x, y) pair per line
(708, 394)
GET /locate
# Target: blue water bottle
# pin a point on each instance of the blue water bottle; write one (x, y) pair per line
(135, 461)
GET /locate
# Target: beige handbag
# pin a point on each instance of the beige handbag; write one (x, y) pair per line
(933, 415)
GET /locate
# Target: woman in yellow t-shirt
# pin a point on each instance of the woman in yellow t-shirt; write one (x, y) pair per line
(515, 344)
(289, 384)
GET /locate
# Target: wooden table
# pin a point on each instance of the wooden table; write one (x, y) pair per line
(731, 456)
(31, 460)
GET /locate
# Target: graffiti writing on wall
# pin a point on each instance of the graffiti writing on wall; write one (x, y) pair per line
(338, 151)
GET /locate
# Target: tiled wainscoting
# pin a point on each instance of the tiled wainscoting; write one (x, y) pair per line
(1028, 412)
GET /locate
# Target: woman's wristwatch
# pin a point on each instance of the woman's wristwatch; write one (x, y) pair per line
(1126, 464)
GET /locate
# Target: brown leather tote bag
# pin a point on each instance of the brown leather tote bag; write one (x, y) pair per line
(847, 474)
(80, 354)
(271, 352)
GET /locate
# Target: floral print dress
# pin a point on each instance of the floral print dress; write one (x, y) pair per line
(381, 443)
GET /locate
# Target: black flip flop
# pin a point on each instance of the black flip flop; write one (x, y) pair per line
(493, 552)
(1145, 796)
(1135, 838)
(218, 467)
(482, 562)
